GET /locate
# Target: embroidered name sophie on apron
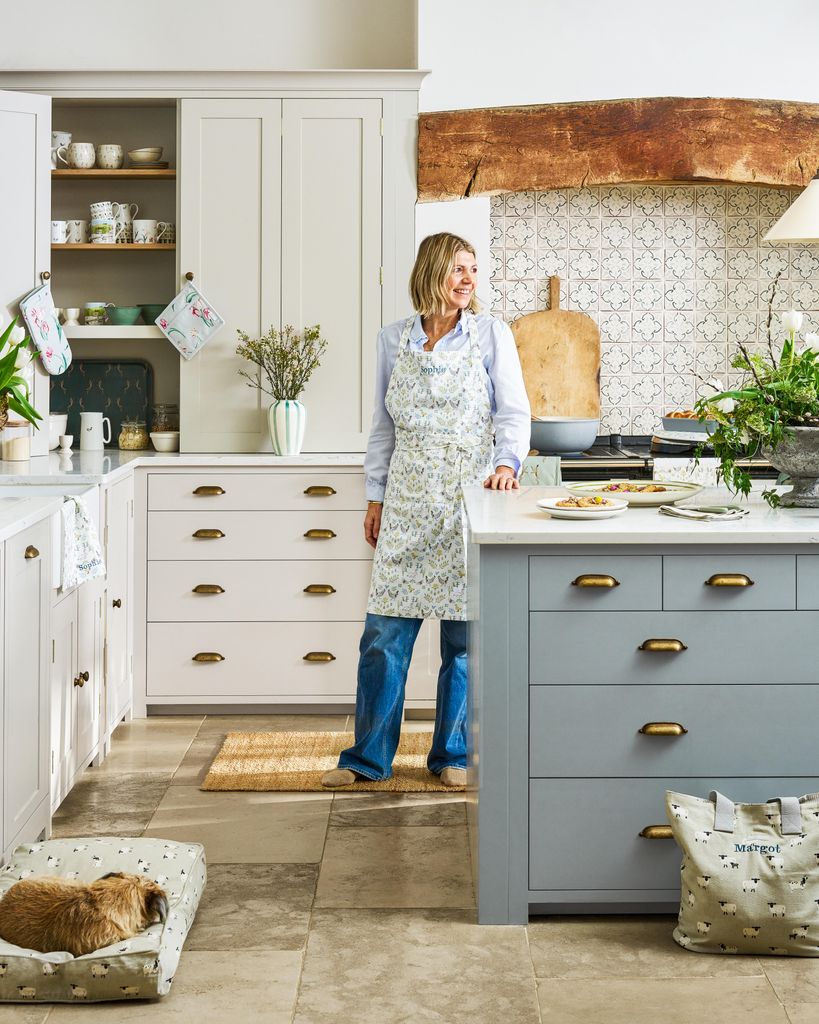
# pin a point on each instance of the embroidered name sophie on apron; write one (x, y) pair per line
(440, 406)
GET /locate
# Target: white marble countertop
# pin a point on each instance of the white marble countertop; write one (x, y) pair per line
(106, 467)
(512, 517)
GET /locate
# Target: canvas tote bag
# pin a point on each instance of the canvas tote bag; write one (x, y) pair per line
(749, 875)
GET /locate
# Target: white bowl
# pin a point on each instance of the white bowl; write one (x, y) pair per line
(165, 440)
(57, 422)
(145, 156)
(672, 491)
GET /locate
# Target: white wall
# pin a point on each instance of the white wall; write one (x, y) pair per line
(218, 34)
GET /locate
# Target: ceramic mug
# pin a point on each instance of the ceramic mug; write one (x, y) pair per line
(124, 214)
(92, 431)
(80, 155)
(145, 232)
(165, 231)
(76, 232)
(94, 312)
(72, 316)
(103, 230)
(59, 140)
(102, 209)
(110, 156)
(58, 232)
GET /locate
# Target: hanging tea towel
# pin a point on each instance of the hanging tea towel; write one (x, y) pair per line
(189, 321)
(82, 555)
(45, 330)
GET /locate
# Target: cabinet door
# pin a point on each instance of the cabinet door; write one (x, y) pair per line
(118, 610)
(331, 257)
(230, 209)
(26, 747)
(64, 670)
(88, 713)
(25, 213)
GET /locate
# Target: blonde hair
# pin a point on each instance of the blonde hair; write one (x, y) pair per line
(433, 265)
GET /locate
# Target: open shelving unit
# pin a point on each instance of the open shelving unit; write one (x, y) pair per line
(111, 246)
(97, 173)
(109, 332)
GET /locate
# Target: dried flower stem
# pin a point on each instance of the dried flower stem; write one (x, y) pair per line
(286, 359)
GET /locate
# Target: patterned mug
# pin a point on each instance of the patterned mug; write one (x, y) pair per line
(80, 155)
(124, 214)
(76, 232)
(103, 230)
(165, 231)
(110, 156)
(145, 232)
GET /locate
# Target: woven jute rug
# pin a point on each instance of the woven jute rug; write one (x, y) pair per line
(272, 761)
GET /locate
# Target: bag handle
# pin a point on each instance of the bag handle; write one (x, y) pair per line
(790, 813)
(724, 812)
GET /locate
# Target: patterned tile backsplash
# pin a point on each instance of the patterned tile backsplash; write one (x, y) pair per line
(674, 275)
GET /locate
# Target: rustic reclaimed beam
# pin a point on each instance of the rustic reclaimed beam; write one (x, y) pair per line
(518, 149)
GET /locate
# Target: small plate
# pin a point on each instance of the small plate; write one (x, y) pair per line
(605, 512)
(674, 490)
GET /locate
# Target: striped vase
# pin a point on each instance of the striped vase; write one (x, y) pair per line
(287, 419)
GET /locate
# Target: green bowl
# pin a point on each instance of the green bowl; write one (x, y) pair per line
(151, 310)
(123, 316)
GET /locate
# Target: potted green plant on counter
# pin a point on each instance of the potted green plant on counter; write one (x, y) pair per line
(15, 395)
(286, 360)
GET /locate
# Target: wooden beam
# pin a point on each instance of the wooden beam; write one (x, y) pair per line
(521, 149)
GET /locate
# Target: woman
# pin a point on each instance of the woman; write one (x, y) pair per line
(447, 379)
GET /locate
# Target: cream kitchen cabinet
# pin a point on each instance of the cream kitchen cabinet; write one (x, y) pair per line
(119, 564)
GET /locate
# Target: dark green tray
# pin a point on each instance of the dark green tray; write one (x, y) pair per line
(121, 389)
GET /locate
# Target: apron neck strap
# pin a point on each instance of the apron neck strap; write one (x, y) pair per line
(406, 333)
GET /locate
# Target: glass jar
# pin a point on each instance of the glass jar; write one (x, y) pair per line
(133, 435)
(165, 417)
(15, 441)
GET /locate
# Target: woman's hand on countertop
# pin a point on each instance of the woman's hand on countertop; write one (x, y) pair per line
(372, 523)
(503, 479)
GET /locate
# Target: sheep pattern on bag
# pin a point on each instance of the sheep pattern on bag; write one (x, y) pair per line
(752, 890)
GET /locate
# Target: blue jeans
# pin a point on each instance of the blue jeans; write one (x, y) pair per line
(385, 652)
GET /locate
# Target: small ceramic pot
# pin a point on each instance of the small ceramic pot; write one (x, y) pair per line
(287, 420)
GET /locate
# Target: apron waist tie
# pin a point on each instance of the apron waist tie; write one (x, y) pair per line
(410, 441)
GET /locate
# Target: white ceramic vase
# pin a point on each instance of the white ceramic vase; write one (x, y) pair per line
(287, 419)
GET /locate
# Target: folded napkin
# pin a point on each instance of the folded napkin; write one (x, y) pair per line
(82, 554)
(704, 513)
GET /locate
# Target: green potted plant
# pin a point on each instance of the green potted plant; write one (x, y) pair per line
(15, 355)
(286, 360)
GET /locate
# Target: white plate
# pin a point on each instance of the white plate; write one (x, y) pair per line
(674, 491)
(606, 512)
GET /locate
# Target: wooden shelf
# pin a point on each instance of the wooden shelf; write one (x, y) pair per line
(109, 332)
(95, 173)
(109, 246)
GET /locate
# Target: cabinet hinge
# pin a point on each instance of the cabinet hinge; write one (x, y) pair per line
(380, 275)
(381, 127)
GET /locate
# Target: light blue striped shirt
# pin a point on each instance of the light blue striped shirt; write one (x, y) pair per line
(511, 415)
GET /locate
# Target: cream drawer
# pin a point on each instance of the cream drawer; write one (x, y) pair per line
(729, 582)
(595, 582)
(256, 535)
(258, 591)
(260, 659)
(236, 492)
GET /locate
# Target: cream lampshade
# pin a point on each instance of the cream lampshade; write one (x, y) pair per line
(800, 222)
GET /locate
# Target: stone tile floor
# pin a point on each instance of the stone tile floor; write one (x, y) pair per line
(358, 909)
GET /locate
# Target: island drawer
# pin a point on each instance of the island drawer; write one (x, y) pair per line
(258, 591)
(743, 647)
(595, 582)
(312, 491)
(259, 659)
(729, 582)
(256, 535)
(807, 581)
(584, 833)
(594, 730)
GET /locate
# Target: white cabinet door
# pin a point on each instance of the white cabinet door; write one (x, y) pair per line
(119, 536)
(230, 210)
(88, 713)
(25, 214)
(64, 670)
(26, 746)
(331, 257)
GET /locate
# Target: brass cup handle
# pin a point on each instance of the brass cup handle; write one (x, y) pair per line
(319, 656)
(663, 729)
(319, 491)
(208, 491)
(208, 588)
(31, 552)
(117, 602)
(656, 832)
(208, 534)
(319, 588)
(79, 681)
(593, 579)
(204, 656)
(319, 535)
(729, 579)
(668, 646)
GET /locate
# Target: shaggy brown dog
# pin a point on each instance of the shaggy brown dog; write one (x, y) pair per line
(49, 914)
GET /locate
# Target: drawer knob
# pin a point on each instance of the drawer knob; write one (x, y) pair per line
(729, 579)
(592, 579)
(208, 491)
(319, 656)
(79, 681)
(663, 729)
(320, 491)
(319, 535)
(31, 552)
(203, 656)
(208, 534)
(117, 602)
(319, 588)
(667, 646)
(656, 832)
(208, 588)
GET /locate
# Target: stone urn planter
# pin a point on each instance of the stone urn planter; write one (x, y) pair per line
(798, 456)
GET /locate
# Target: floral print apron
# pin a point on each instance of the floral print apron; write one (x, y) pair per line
(440, 406)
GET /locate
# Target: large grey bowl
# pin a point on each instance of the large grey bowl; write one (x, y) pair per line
(798, 456)
(564, 435)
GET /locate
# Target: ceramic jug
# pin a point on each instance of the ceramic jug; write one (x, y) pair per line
(92, 435)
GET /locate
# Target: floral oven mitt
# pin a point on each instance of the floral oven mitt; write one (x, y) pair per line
(189, 321)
